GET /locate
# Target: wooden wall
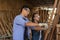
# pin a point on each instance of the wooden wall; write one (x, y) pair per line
(8, 10)
(43, 14)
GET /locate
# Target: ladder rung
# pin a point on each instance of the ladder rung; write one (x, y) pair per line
(58, 33)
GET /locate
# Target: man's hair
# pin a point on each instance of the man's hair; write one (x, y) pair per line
(24, 6)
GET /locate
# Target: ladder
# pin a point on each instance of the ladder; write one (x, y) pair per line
(55, 21)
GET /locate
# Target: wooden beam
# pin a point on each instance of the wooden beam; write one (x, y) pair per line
(47, 32)
(2, 28)
(56, 19)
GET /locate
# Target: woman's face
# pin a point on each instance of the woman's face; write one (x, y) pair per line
(36, 17)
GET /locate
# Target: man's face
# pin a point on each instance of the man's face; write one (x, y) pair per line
(26, 11)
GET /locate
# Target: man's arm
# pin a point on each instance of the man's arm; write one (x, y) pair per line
(35, 25)
(31, 24)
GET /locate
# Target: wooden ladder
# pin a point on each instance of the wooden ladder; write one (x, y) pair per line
(55, 21)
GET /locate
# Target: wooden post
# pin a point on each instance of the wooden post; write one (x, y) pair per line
(56, 20)
(47, 32)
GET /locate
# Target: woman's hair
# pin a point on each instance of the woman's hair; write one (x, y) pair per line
(33, 16)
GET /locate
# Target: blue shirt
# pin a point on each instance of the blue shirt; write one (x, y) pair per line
(19, 27)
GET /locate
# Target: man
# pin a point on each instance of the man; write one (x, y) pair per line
(20, 22)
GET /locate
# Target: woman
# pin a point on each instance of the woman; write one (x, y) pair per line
(36, 33)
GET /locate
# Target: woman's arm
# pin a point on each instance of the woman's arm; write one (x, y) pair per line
(38, 28)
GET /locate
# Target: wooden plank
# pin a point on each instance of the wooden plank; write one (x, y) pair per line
(2, 28)
(47, 32)
(1, 32)
(56, 20)
(7, 18)
(5, 27)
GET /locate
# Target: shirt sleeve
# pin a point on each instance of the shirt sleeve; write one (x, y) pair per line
(20, 21)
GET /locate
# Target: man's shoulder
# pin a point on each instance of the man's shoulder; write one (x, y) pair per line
(18, 16)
